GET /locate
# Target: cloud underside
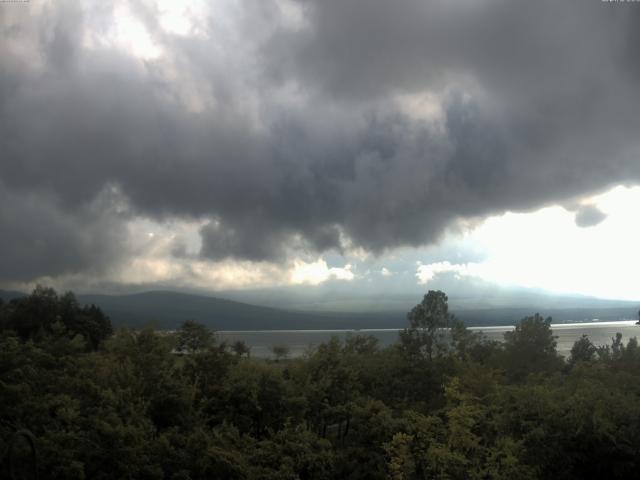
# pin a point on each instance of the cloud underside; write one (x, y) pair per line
(287, 129)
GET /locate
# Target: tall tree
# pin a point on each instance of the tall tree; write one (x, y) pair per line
(194, 337)
(531, 347)
(583, 350)
(428, 321)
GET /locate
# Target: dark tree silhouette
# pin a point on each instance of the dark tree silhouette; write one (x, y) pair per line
(428, 320)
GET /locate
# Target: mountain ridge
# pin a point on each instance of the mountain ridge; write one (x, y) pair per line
(166, 309)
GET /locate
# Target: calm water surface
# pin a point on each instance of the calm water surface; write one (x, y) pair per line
(301, 341)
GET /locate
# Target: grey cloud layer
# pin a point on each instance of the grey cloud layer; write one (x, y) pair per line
(296, 143)
(39, 239)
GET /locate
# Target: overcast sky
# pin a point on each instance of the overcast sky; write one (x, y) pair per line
(372, 144)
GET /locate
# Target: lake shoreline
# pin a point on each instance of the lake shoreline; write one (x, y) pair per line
(299, 342)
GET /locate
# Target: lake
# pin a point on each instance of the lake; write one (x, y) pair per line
(300, 341)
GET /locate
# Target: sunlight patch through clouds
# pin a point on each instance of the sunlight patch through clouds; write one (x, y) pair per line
(317, 272)
(546, 249)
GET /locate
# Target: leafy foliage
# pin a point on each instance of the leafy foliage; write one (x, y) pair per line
(193, 337)
(44, 314)
(428, 321)
(442, 403)
(530, 347)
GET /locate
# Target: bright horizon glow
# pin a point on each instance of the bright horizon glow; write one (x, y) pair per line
(546, 249)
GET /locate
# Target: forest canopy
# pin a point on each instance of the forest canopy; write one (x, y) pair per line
(441, 403)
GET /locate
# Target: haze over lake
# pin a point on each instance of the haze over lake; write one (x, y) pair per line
(300, 341)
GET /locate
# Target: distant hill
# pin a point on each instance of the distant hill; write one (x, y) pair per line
(8, 295)
(167, 310)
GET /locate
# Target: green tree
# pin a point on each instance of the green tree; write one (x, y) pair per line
(33, 316)
(530, 347)
(240, 348)
(88, 321)
(256, 398)
(583, 350)
(428, 321)
(280, 352)
(193, 337)
(40, 315)
(293, 453)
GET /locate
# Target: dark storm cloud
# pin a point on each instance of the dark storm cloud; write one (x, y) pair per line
(295, 141)
(40, 239)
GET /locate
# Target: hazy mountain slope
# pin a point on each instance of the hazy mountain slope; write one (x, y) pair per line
(7, 295)
(331, 298)
(167, 310)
